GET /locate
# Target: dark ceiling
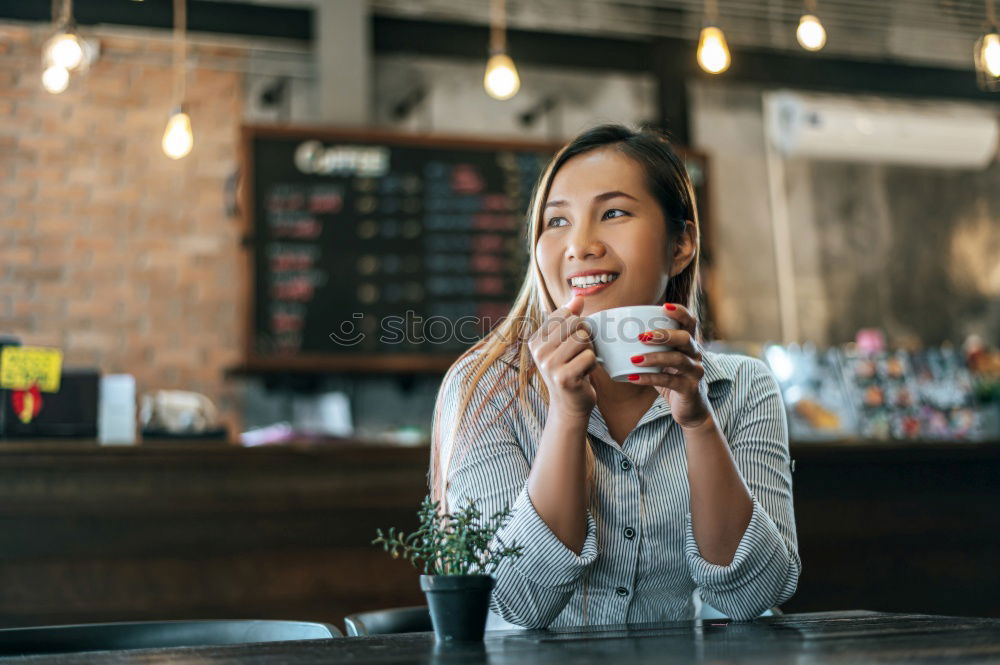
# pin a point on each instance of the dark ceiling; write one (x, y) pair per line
(203, 16)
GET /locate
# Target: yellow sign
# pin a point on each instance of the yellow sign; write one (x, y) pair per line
(24, 366)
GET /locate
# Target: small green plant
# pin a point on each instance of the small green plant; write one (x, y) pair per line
(450, 544)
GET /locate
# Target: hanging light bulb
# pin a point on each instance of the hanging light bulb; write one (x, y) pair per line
(55, 79)
(501, 80)
(178, 139)
(987, 52)
(64, 49)
(810, 33)
(713, 52)
(990, 54)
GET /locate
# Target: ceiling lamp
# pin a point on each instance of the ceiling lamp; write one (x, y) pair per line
(178, 139)
(713, 52)
(65, 51)
(810, 33)
(500, 80)
(987, 52)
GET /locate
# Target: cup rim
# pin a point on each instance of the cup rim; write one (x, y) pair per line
(659, 308)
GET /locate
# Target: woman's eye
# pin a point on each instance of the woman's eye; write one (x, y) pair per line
(616, 210)
(556, 221)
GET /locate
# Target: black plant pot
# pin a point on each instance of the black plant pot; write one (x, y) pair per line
(458, 604)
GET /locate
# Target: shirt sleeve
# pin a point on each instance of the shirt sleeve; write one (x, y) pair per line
(765, 569)
(485, 463)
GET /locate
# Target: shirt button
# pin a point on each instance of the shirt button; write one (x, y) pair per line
(621, 591)
(626, 465)
(629, 533)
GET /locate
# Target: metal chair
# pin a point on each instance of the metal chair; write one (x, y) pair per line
(155, 635)
(395, 620)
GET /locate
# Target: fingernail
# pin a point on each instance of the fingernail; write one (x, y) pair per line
(637, 359)
(633, 377)
(670, 308)
(645, 337)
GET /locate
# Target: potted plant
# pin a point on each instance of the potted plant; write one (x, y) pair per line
(457, 555)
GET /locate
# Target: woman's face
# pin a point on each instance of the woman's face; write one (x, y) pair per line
(603, 235)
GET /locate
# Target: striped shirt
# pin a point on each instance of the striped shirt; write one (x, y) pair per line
(640, 561)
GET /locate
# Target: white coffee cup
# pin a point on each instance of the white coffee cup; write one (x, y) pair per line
(615, 335)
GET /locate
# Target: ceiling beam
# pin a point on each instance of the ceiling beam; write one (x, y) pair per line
(674, 59)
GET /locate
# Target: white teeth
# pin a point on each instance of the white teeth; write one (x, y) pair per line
(591, 280)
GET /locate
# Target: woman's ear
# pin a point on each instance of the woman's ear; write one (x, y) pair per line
(685, 247)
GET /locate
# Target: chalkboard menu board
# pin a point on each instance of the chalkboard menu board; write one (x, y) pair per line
(380, 251)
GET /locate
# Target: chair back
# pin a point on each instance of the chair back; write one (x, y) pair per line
(155, 635)
(395, 620)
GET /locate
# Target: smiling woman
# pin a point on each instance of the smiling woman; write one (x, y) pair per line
(626, 496)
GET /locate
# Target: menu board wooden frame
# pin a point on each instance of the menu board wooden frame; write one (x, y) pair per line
(362, 362)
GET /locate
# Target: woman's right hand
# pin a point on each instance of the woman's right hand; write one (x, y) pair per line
(564, 356)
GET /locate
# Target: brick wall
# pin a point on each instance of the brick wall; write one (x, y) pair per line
(109, 250)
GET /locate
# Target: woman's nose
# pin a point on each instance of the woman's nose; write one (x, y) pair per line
(584, 243)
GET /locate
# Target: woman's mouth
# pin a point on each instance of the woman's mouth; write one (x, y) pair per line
(588, 285)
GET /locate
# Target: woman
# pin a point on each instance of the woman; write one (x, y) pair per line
(625, 496)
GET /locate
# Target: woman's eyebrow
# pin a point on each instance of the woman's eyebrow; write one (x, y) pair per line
(600, 197)
(613, 195)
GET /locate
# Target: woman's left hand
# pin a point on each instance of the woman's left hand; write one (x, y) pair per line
(681, 370)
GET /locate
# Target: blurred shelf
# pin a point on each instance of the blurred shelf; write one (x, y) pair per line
(86, 452)
(892, 452)
(417, 363)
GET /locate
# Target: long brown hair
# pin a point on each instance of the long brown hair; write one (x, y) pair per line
(668, 182)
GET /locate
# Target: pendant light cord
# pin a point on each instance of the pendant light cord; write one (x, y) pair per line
(711, 11)
(62, 12)
(498, 27)
(180, 50)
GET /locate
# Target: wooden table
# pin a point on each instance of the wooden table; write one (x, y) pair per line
(802, 639)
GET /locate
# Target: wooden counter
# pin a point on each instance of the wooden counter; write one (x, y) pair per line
(199, 530)
(896, 527)
(202, 531)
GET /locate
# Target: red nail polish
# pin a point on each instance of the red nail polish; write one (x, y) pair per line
(645, 337)
(670, 308)
(633, 377)
(637, 359)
